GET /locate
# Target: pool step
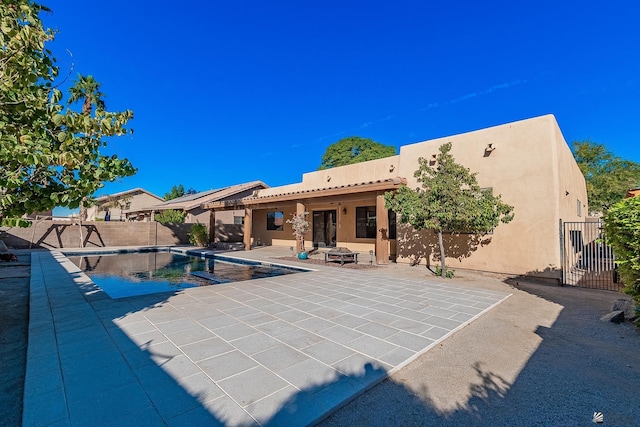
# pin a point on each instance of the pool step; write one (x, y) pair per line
(208, 276)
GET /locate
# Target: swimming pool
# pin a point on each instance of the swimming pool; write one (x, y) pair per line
(128, 274)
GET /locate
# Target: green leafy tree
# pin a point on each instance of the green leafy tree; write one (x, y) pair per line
(15, 222)
(170, 216)
(175, 192)
(622, 230)
(178, 191)
(50, 154)
(354, 149)
(449, 201)
(608, 177)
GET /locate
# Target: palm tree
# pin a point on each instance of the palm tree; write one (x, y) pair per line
(87, 89)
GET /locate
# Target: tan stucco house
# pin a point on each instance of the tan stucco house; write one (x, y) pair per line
(113, 207)
(226, 227)
(528, 162)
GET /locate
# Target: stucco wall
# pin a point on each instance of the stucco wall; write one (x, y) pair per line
(225, 229)
(351, 174)
(142, 200)
(527, 167)
(263, 237)
(198, 215)
(530, 166)
(63, 234)
(572, 188)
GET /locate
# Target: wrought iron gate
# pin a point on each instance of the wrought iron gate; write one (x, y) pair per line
(587, 260)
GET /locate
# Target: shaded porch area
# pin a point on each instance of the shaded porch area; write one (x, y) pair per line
(350, 216)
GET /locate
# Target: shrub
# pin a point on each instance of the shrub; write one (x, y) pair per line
(448, 274)
(622, 231)
(198, 235)
(170, 216)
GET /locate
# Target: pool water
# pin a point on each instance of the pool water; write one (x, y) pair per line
(132, 274)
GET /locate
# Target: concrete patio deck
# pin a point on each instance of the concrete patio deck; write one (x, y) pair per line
(285, 350)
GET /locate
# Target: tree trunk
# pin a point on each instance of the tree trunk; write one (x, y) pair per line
(83, 211)
(443, 267)
(87, 107)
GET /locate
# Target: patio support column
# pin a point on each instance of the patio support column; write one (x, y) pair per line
(248, 229)
(382, 232)
(300, 209)
(212, 226)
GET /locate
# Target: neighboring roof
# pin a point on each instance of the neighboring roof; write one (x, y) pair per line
(127, 192)
(379, 185)
(633, 193)
(192, 201)
(183, 202)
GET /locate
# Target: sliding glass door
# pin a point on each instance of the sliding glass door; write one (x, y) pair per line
(324, 229)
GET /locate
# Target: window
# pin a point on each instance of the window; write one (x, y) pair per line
(579, 208)
(238, 220)
(275, 221)
(366, 222)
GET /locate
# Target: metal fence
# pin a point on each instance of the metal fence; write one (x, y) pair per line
(587, 260)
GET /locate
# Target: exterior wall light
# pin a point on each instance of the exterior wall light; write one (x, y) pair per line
(489, 148)
(344, 211)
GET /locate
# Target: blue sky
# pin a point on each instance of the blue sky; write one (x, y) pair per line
(234, 91)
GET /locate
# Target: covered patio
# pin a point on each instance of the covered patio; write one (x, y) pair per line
(352, 216)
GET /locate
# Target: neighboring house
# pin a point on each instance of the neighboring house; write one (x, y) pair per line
(112, 207)
(44, 214)
(227, 226)
(633, 193)
(528, 162)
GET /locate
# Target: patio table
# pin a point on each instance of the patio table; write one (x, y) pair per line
(340, 256)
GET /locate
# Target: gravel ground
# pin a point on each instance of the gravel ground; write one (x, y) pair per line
(542, 357)
(14, 323)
